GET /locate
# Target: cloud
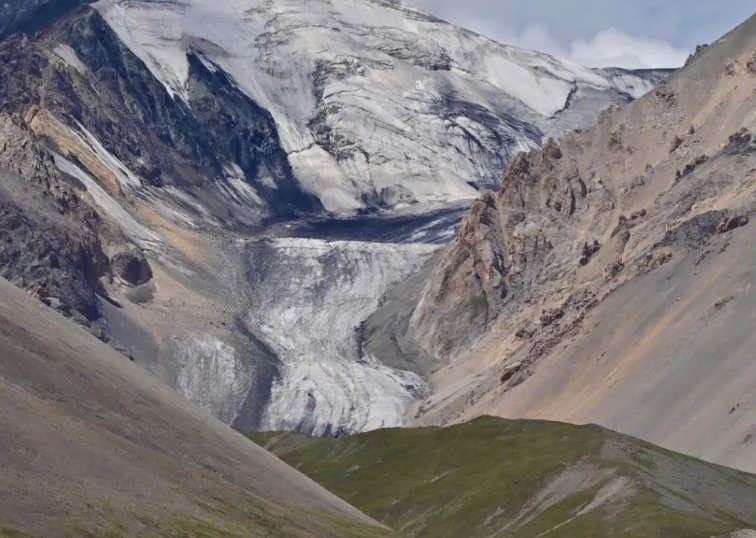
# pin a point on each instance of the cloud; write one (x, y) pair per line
(614, 48)
(635, 33)
(608, 48)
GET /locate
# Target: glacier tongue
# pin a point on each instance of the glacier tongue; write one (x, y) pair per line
(308, 298)
(376, 103)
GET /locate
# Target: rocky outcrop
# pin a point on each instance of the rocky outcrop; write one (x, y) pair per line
(51, 240)
(616, 274)
(510, 242)
(132, 266)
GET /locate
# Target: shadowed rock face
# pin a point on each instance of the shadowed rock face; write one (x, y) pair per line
(606, 267)
(133, 267)
(217, 135)
(16, 14)
(50, 239)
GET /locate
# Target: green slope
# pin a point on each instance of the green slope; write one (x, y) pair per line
(493, 477)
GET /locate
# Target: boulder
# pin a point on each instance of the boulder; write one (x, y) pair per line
(132, 267)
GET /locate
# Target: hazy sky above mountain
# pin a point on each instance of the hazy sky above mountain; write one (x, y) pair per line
(599, 33)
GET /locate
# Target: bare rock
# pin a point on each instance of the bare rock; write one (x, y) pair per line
(676, 143)
(731, 223)
(549, 317)
(588, 251)
(613, 270)
(132, 266)
(751, 65)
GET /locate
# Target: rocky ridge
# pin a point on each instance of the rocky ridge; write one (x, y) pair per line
(659, 191)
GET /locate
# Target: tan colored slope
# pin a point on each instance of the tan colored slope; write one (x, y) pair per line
(668, 358)
(89, 441)
(650, 332)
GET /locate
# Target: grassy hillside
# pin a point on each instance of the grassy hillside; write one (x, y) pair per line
(493, 477)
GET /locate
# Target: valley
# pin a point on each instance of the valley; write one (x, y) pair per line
(458, 287)
(253, 200)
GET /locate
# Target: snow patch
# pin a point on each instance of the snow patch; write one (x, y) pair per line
(125, 177)
(209, 373)
(137, 233)
(68, 55)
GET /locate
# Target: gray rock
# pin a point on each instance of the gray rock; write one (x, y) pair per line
(132, 267)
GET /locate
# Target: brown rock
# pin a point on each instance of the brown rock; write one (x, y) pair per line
(731, 223)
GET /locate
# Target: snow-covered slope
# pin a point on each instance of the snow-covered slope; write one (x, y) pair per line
(376, 103)
(210, 138)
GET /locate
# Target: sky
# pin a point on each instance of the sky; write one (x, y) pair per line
(599, 33)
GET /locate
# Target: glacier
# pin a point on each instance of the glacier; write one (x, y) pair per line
(377, 104)
(291, 162)
(306, 300)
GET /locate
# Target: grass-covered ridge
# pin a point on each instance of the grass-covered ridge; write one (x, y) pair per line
(493, 477)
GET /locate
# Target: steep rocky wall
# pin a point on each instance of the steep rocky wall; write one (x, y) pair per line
(90, 135)
(51, 240)
(219, 139)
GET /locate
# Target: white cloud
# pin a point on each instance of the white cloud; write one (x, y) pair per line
(666, 26)
(538, 37)
(608, 48)
(614, 48)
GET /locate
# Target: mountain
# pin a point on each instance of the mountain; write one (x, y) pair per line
(93, 445)
(609, 279)
(494, 477)
(226, 192)
(377, 104)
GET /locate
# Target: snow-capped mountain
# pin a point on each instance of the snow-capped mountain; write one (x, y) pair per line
(376, 103)
(189, 174)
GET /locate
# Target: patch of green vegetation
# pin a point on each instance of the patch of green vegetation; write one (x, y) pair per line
(183, 528)
(479, 306)
(239, 516)
(10, 533)
(493, 477)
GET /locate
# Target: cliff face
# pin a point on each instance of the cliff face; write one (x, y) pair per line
(509, 243)
(51, 240)
(656, 186)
